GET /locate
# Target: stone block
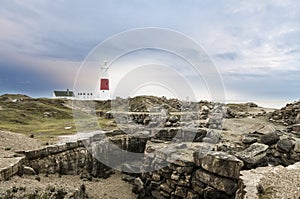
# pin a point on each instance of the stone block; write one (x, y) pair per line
(253, 154)
(224, 184)
(270, 138)
(284, 145)
(297, 146)
(192, 195)
(197, 185)
(165, 187)
(222, 164)
(156, 176)
(249, 139)
(181, 191)
(185, 170)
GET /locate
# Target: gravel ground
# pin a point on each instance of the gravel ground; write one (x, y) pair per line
(15, 142)
(11, 142)
(110, 188)
(273, 182)
(282, 182)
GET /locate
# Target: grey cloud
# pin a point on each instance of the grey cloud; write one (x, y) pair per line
(227, 56)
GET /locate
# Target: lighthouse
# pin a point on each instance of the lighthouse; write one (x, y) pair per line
(104, 82)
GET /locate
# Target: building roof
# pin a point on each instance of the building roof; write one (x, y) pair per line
(64, 93)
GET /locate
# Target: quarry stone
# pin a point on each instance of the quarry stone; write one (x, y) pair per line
(222, 163)
(224, 184)
(284, 145)
(270, 138)
(253, 154)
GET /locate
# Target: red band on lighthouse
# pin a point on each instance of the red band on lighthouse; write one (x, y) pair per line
(104, 84)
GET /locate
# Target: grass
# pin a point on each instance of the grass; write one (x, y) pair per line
(45, 119)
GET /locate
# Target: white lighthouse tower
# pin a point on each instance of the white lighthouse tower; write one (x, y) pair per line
(104, 83)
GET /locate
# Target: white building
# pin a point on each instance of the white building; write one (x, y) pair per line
(85, 96)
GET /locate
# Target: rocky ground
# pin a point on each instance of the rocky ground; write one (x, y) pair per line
(26, 185)
(273, 134)
(12, 142)
(272, 182)
(110, 188)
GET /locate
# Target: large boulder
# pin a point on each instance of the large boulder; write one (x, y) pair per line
(253, 154)
(221, 163)
(270, 138)
(284, 145)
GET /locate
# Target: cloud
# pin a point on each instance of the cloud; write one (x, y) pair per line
(227, 56)
(247, 40)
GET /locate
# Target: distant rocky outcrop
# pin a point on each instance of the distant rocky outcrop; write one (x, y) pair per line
(288, 115)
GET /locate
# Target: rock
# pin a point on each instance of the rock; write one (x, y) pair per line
(200, 153)
(138, 186)
(108, 115)
(248, 139)
(295, 166)
(201, 133)
(297, 146)
(165, 187)
(222, 163)
(204, 108)
(147, 120)
(181, 191)
(185, 170)
(156, 194)
(296, 127)
(197, 185)
(28, 170)
(173, 119)
(253, 154)
(270, 138)
(192, 195)
(175, 177)
(181, 146)
(224, 184)
(211, 193)
(156, 176)
(128, 178)
(165, 194)
(212, 136)
(251, 104)
(287, 115)
(284, 145)
(168, 124)
(82, 187)
(297, 119)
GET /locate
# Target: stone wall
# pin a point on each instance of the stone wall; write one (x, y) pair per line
(189, 170)
(83, 156)
(12, 169)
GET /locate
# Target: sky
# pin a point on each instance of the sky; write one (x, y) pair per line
(254, 45)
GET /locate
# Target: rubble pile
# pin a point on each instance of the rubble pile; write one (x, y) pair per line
(288, 115)
(272, 148)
